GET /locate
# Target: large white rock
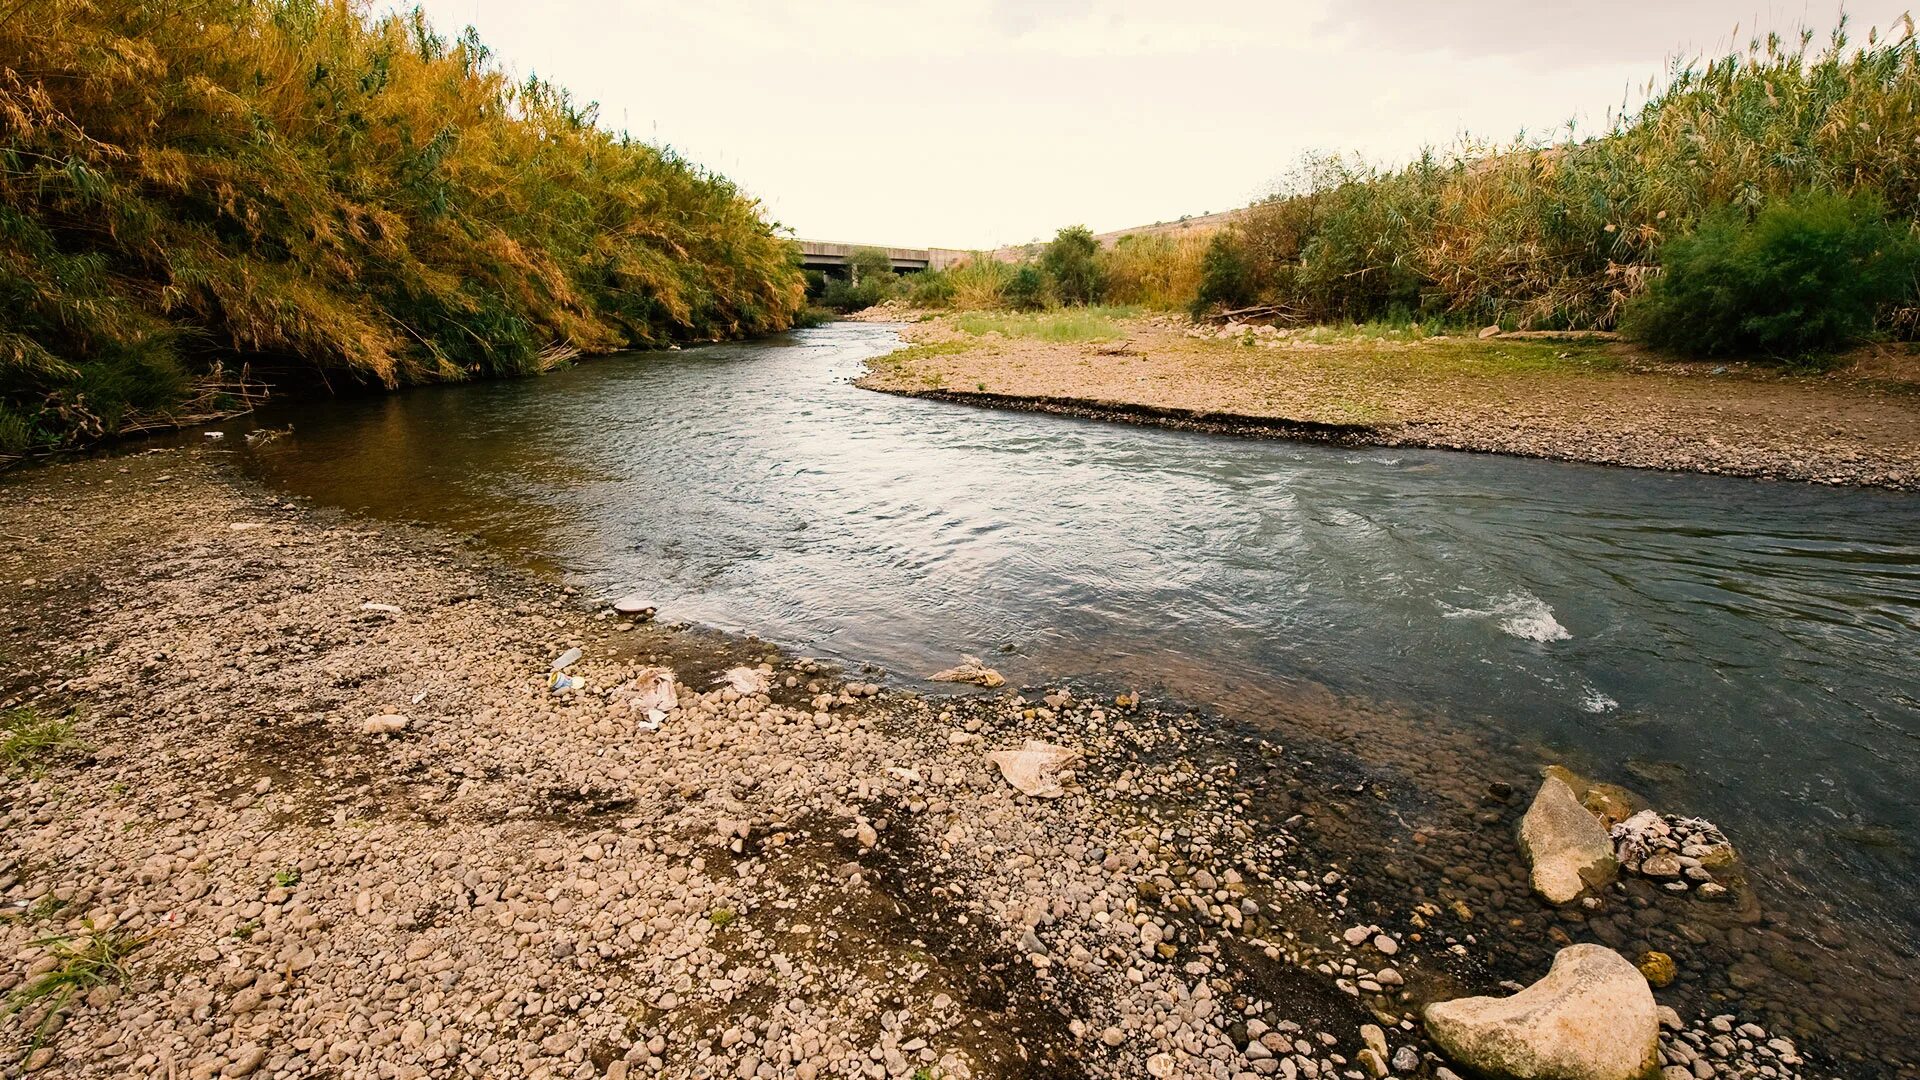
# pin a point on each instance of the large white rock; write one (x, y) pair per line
(1592, 1018)
(1568, 847)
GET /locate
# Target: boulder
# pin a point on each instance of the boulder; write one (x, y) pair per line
(1567, 846)
(1592, 1018)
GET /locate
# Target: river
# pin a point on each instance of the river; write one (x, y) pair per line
(1744, 651)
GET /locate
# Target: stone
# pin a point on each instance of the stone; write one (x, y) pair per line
(1567, 846)
(633, 604)
(1592, 1017)
(246, 1060)
(1034, 769)
(1661, 864)
(384, 725)
(970, 670)
(1658, 968)
(1160, 1066)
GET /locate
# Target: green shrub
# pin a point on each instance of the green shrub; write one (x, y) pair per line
(1027, 288)
(1805, 276)
(1225, 277)
(869, 264)
(930, 288)
(845, 295)
(1071, 264)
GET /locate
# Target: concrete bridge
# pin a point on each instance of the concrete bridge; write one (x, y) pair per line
(830, 256)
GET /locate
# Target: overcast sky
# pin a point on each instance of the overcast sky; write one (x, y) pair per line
(973, 123)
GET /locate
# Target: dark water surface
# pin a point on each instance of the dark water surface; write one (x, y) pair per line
(1744, 651)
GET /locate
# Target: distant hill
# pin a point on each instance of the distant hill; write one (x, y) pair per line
(1201, 222)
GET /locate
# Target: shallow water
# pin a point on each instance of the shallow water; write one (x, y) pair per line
(1745, 651)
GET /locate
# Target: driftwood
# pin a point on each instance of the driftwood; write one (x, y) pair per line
(1276, 312)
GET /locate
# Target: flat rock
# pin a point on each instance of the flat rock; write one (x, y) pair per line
(1592, 1017)
(1567, 846)
(970, 670)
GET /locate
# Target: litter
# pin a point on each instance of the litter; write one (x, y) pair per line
(1035, 768)
(747, 681)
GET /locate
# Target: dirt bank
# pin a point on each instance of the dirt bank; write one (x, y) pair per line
(315, 811)
(1605, 403)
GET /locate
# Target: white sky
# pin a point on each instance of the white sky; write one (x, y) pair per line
(973, 123)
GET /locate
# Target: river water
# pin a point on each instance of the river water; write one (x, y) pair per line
(1740, 650)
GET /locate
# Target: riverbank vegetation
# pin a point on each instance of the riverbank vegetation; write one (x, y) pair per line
(194, 201)
(1571, 233)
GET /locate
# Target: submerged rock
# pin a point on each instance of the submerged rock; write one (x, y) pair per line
(1592, 1017)
(1567, 846)
(970, 670)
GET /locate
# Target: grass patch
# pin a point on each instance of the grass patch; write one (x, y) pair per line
(912, 353)
(82, 961)
(1063, 325)
(29, 740)
(720, 917)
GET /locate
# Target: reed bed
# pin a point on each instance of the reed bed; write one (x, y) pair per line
(326, 195)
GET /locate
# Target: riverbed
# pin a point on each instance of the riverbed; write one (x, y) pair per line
(1734, 649)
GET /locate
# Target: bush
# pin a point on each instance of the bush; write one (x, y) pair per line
(1071, 264)
(930, 288)
(1027, 288)
(1807, 275)
(869, 264)
(844, 295)
(1225, 278)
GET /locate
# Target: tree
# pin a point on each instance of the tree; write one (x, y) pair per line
(1069, 261)
(868, 263)
(1225, 277)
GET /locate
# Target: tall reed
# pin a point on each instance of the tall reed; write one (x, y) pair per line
(1561, 234)
(316, 193)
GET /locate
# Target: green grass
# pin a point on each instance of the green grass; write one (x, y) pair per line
(28, 740)
(911, 353)
(85, 960)
(720, 917)
(1060, 325)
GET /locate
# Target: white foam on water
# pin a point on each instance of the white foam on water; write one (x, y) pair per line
(1594, 701)
(1520, 615)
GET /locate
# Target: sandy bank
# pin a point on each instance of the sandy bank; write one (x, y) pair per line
(1604, 403)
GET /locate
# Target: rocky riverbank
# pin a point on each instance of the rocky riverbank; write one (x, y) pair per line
(1571, 400)
(291, 794)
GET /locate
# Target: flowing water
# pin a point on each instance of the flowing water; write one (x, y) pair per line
(1744, 651)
